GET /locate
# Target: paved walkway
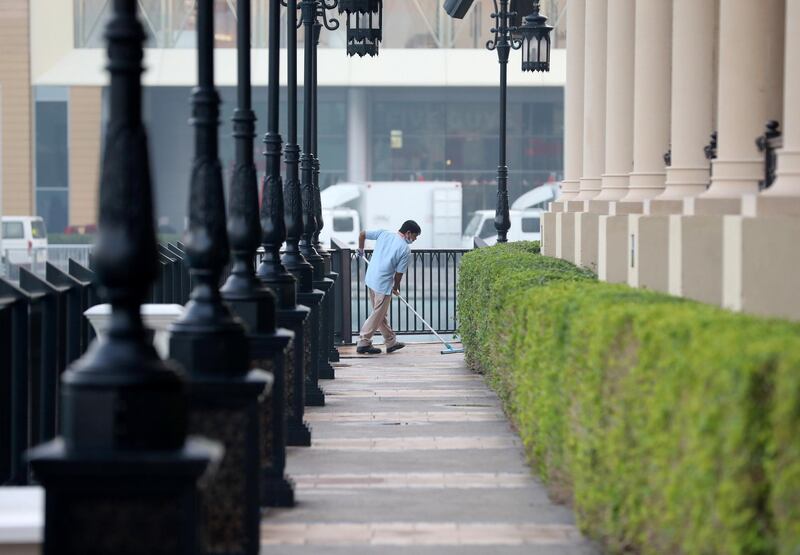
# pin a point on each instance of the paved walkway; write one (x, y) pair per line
(412, 454)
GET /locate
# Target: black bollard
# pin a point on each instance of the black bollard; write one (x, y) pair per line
(123, 477)
(274, 223)
(246, 294)
(211, 342)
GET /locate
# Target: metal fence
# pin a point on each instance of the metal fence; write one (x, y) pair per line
(429, 285)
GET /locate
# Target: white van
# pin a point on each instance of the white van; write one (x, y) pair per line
(24, 241)
(525, 226)
(525, 214)
(341, 223)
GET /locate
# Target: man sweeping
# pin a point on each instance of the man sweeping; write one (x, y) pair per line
(385, 272)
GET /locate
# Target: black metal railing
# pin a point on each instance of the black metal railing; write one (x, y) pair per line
(429, 286)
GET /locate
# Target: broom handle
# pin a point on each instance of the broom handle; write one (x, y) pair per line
(415, 312)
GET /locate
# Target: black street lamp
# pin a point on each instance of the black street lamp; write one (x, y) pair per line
(123, 467)
(535, 36)
(209, 340)
(245, 293)
(364, 26)
(276, 219)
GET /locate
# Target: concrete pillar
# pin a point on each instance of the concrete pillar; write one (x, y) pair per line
(651, 110)
(594, 132)
(692, 122)
(783, 198)
(573, 127)
(594, 100)
(573, 100)
(693, 99)
(760, 253)
(573, 133)
(619, 105)
(612, 234)
(750, 93)
(357, 134)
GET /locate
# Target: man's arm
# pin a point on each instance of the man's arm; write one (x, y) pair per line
(361, 238)
(398, 277)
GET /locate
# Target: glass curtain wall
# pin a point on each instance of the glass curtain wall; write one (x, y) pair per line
(52, 157)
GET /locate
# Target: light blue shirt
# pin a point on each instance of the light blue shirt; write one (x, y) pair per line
(390, 256)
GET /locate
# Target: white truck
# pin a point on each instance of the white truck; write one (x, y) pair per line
(525, 215)
(347, 208)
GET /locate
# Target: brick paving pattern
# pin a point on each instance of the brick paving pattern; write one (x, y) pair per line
(413, 454)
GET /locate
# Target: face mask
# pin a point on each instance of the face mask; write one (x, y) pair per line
(409, 241)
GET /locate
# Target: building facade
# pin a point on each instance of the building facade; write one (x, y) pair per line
(425, 109)
(650, 197)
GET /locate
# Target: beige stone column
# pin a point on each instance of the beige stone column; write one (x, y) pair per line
(783, 198)
(594, 100)
(612, 230)
(619, 104)
(760, 253)
(693, 99)
(594, 132)
(750, 94)
(651, 101)
(694, 34)
(573, 99)
(559, 229)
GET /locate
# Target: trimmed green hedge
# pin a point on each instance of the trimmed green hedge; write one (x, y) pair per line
(671, 426)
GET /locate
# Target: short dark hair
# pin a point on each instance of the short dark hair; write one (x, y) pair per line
(410, 225)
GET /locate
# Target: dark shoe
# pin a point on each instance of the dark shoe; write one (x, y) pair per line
(395, 347)
(370, 350)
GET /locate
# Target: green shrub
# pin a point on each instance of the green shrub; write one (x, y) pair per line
(671, 426)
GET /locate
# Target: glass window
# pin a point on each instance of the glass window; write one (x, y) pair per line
(13, 230)
(38, 231)
(488, 230)
(52, 166)
(52, 206)
(343, 224)
(473, 224)
(530, 225)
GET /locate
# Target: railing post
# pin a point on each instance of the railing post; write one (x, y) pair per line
(89, 298)
(14, 376)
(46, 354)
(72, 310)
(342, 265)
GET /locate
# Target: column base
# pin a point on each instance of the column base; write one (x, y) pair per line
(695, 257)
(586, 240)
(565, 236)
(277, 492)
(612, 262)
(648, 248)
(227, 410)
(298, 434)
(760, 257)
(766, 204)
(549, 222)
(121, 500)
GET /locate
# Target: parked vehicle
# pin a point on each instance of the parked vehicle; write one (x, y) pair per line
(434, 205)
(24, 241)
(525, 216)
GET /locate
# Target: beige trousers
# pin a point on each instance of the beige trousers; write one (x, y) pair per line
(378, 321)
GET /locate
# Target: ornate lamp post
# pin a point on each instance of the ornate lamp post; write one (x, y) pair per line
(245, 293)
(209, 340)
(299, 213)
(327, 350)
(535, 36)
(276, 219)
(364, 26)
(122, 479)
